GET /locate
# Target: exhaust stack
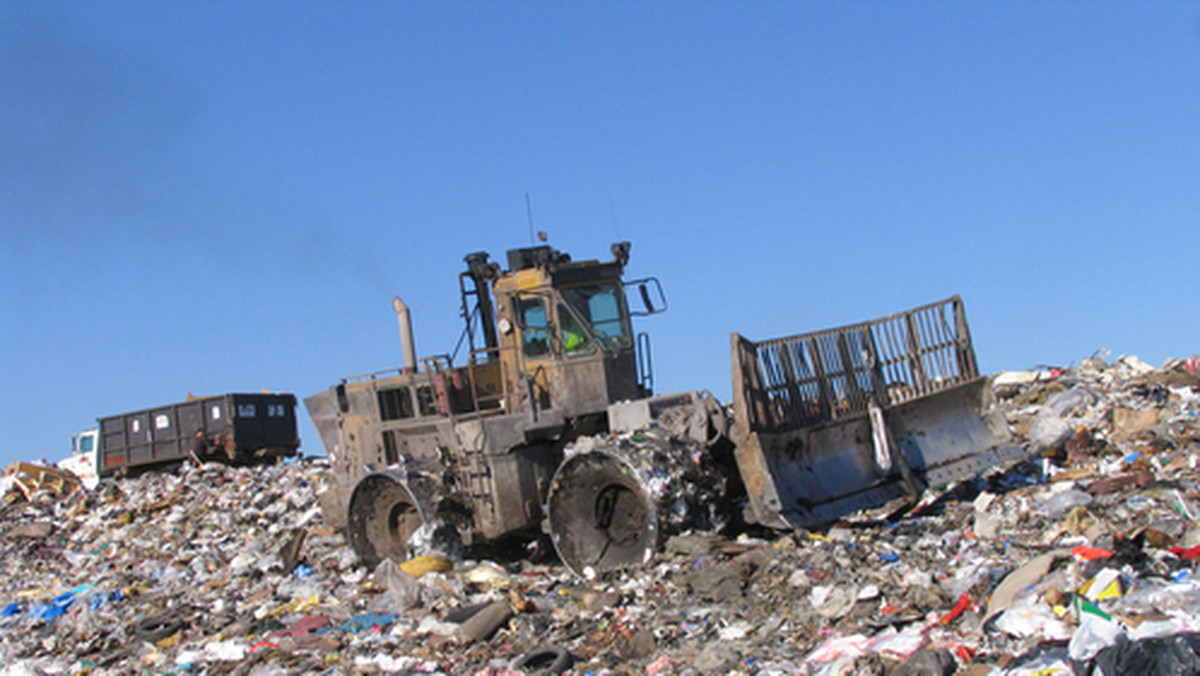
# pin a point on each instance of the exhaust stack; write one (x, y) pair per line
(406, 335)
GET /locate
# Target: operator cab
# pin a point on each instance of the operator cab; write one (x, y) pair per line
(563, 331)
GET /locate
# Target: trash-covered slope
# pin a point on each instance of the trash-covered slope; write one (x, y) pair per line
(1078, 561)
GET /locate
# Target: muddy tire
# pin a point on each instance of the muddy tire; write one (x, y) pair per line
(381, 517)
(601, 518)
(615, 499)
(549, 659)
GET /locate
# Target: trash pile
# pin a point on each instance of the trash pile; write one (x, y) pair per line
(29, 482)
(1080, 560)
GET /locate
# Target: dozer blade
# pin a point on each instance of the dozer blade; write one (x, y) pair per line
(835, 421)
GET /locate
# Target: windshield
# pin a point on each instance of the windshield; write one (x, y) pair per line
(602, 306)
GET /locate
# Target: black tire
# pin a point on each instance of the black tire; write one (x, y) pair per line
(156, 628)
(550, 659)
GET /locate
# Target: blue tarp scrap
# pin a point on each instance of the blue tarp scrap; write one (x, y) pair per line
(46, 611)
(364, 623)
(56, 607)
(101, 599)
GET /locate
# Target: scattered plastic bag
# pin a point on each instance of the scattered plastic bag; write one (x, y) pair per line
(1177, 655)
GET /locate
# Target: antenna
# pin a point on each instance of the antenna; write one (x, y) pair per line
(612, 210)
(529, 215)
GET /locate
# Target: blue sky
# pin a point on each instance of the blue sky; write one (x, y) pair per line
(215, 197)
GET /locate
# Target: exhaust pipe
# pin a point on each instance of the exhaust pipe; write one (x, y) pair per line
(406, 335)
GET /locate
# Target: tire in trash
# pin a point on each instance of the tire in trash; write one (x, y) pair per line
(156, 628)
(549, 659)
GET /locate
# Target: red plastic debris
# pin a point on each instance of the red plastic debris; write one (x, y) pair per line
(304, 625)
(959, 608)
(1085, 553)
(1189, 553)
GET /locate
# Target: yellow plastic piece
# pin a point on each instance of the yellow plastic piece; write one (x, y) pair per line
(426, 564)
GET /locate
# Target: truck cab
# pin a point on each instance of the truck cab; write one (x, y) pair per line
(84, 461)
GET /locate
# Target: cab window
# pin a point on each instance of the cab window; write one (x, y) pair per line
(535, 326)
(603, 306)
(574, 338)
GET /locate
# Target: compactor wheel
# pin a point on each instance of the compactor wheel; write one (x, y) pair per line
(382, 516)
(600, 516)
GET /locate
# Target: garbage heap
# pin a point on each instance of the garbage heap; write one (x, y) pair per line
(1080, 560)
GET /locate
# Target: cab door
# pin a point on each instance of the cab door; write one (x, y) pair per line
(535, 344)
(585, 382)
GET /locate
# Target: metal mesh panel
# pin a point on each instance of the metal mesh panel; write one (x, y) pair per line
(826, 375)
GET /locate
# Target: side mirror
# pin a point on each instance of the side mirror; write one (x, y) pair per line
(649, 300)
(645, 293)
